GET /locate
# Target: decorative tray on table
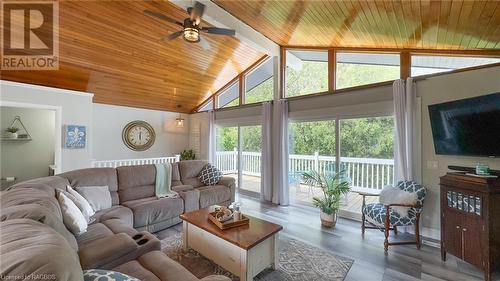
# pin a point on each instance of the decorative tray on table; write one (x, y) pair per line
(227, 222)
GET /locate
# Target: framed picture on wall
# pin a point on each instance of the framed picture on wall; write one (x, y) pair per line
(75, 136)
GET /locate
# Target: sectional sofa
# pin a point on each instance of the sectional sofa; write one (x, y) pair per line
(34, 241)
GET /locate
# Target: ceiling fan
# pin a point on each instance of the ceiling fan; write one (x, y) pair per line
(191, 29)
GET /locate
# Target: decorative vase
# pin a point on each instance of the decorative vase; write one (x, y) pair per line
(328, 220)
(11, 135)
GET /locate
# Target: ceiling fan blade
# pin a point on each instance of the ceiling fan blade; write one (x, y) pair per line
(221, 31)
(199, 9)
(171, 36)
(204, 43)
(163, 17)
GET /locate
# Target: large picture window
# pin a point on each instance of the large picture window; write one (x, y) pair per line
(306, 72)
(423, 65)
(259, 84)
(356, 69)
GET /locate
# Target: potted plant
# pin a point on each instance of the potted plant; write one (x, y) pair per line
(188, 155)
(12, 132)
(334, 186)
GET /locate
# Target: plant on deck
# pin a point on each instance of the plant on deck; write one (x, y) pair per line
(333, 186)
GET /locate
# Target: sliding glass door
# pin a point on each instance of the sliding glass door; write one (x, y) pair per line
(311, 148)
(364, 154)
(227, 144)
(238, 155)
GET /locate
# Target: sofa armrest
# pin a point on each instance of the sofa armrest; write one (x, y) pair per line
(180, 188)
(105, 250)
(231, 183)
(191, 199)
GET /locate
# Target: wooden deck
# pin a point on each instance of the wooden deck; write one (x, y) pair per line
(303, 194)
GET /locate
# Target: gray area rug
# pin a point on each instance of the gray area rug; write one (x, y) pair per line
(298, 261)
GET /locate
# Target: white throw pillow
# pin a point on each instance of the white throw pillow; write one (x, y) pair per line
(98, 197)
(394, 195)
(72, 216)
(81, 203)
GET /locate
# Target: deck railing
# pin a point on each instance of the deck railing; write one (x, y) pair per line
(363, 173)
(131, 162)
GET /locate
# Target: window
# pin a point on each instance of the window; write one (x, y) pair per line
(259, 84)
(356, 69)
(206, 106)
(306, 72)
(422, 65)
(227, 144)
(230, 96)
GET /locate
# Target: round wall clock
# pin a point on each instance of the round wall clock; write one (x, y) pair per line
(138, 135)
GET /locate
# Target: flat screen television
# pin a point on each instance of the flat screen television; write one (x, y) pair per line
(469, 127)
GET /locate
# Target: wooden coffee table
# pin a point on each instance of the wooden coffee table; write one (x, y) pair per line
(244, 251)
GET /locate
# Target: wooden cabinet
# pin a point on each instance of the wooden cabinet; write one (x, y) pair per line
(470, 220)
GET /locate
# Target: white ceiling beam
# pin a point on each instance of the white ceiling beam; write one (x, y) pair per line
(218, 17)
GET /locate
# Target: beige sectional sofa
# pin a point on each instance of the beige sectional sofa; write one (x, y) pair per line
(34, 240)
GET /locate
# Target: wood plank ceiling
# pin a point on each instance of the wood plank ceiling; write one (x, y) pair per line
(415, 24)
(112, 49)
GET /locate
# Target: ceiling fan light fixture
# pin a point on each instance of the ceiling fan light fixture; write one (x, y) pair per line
(191, 34)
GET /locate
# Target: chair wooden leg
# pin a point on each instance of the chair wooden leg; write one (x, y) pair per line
(387, 225)
(417, 231)
(363, 227)
(395, 228)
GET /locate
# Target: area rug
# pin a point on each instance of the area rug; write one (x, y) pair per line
(298, 261)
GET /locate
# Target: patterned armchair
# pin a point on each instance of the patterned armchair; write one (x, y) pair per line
(375, 214)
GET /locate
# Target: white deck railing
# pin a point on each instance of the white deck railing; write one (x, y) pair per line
(131, 162)
(364, 173)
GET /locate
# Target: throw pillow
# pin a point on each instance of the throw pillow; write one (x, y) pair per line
(81, 203)
(105, 275)
(394, 195)
(210, 175)
(72, 216)
(98, 197)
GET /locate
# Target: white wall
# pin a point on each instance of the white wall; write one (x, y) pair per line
(28, 159)
(198, 134)
(76, 109)
(441, 89)
(109, 121)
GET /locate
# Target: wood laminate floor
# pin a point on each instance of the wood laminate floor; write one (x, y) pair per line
(371, 264)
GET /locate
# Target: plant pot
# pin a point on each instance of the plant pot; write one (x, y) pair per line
(11, 135)
(328, 220)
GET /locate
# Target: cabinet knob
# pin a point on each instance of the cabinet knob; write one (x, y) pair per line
(457, 226)
(464, 229)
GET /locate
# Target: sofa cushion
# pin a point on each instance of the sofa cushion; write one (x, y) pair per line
(176, 176)
(52, 181)
(32, 248)
(151, 210)
(95, 177)
(211, 195)
(116, 212)
(136, 182)
(156, 266)
(80, 202)
(40, 214)
(94, 232)
(189, 171)
(106, 275)
(40, 194)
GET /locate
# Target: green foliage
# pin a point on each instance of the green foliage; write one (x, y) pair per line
(351, 75)
(312, 78)
(333, 186)
(262, 92)
(12, 129)
(188, 155)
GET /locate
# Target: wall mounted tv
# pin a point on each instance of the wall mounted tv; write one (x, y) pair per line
(469, 127)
